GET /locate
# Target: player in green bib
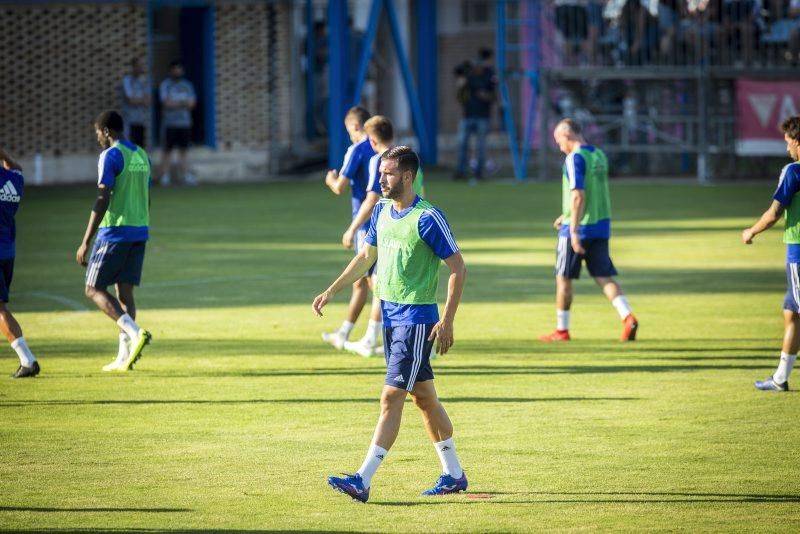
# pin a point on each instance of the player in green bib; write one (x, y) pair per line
(584, 229)
(785, 204)
(121, 220)
(408, 238)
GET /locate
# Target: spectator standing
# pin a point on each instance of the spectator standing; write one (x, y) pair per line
(136, 102)
(178, 99)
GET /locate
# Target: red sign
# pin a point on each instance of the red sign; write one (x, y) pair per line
(762, 107)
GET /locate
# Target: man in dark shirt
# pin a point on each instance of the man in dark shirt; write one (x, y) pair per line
(476, 93)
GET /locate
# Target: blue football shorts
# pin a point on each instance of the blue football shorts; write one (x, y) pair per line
(408, 355)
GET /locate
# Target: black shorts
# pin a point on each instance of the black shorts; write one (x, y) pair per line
(115, 263)
(6, 274)
(407, 350)
(177, 138)
(136, 134)
(598, 261)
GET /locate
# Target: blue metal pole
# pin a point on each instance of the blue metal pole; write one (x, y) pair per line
(337, 80)
(209, 77)
(511, 130)
(427, 75)
(408, 81)
(311, 71)
(366, 50)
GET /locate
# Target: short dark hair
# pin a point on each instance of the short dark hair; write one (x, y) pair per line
(175, 63)
(791, 127)
(359, 113)
(380, 127)
(406, 158)
(572, 124)
(485, 53)
(110, 119)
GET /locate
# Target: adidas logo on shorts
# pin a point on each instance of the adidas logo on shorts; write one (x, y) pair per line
(399, 378)
(9, 193)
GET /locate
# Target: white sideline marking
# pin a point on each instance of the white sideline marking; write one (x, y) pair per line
(69, 303)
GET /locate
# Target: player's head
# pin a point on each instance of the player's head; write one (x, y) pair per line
(354, 122)
(567, 134)
(485, 54)
(176, 69)
(398, 169)
(379, 130)
(791, 134)
(108, 126)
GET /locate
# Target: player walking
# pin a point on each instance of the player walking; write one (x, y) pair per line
(410, 237)
(122, 214)
(785, 203)
(10, 197)
(584, 229)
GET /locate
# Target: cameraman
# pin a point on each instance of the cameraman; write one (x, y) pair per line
(476, 90)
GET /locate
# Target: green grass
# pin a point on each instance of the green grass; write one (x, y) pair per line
(238, 412)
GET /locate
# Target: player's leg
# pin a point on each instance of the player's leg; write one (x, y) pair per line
(462, 139)
(28, 366)
(779, 381)
(481, 131)
(568, 267)
(126, 301)
(127, 279)
(601, 268)
(108, 264)
(166, 161)
(369, 345)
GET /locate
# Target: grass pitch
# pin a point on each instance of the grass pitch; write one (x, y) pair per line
(237, 412)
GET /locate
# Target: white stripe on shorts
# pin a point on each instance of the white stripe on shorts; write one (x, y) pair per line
(94, 266)
(419, 343)
(795, 283)
(561, 259)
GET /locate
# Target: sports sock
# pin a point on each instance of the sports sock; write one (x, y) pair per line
(124, 348)
(346, 328)
(447, 455)
(128, 325)
(784, 367)
(622, 306)
(562, 319)
(373, 333)
(375, 456)
(26, 357)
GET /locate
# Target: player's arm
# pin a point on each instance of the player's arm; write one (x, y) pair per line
(98, 212)
(765, 222)
(363, 215)
(336, 182)
(355, 270)
(8, 162)
(443, 330)
(578, 200)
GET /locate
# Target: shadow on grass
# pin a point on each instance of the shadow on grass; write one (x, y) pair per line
(610, 497)
(93, 509)
(370, 400)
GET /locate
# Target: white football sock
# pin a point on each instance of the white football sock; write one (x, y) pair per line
(784, 367)
(373, 333)
(375, 456)
(124, 347)
(346, 328)
(447, 455)
(620, 303)
(128, 325)
(26, 357)
(562, 319)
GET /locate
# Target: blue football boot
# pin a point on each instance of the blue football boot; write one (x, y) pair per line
(352, 485)
(770, 385)
(447, 484)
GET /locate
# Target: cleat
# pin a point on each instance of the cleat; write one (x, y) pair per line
(334, 338)
(27, 372)
(351, 485)
(447, 484)
(361, 347)
(113, 366)
(629, 327)
(770, 385)
(137, 345)
(555, 335)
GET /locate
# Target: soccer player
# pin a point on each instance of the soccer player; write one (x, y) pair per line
(10, 197)
(380, 133)
(584, 229)
(410, 237)
(355, 173)
(785, 201)
(122, 214)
